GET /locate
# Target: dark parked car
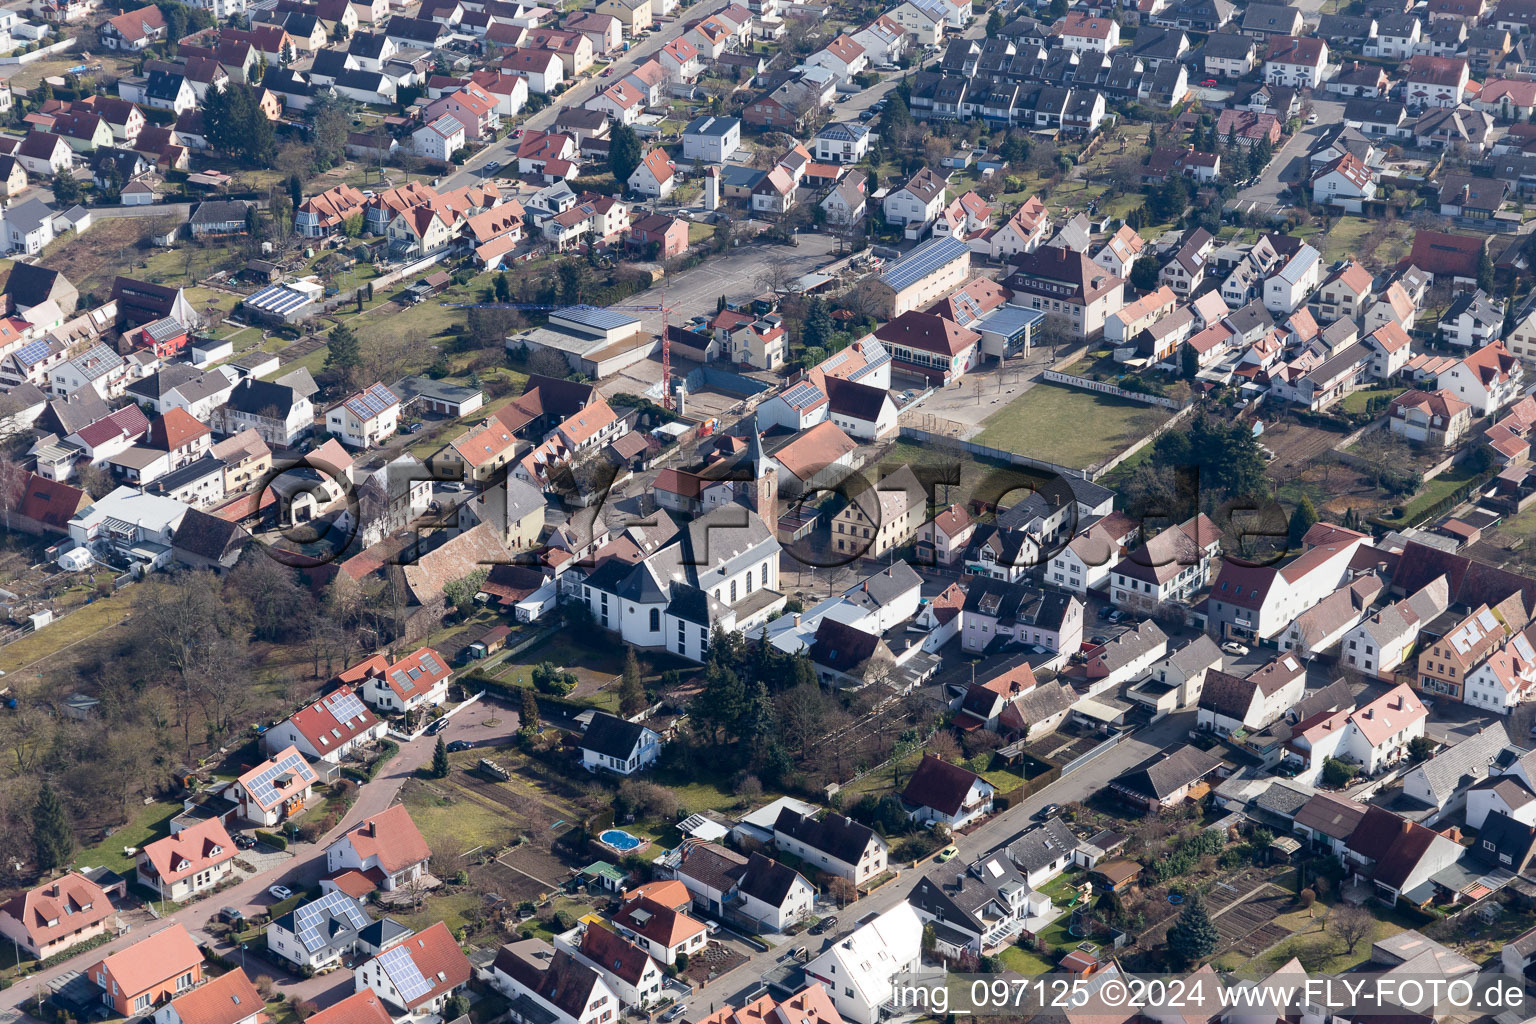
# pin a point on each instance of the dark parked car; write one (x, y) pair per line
(458, 745)
(1048, 811)
(244, 842)
(437, 727)
(826, 924)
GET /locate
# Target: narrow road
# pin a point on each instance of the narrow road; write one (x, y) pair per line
(307, 864)
(993, 834)
(577, 95)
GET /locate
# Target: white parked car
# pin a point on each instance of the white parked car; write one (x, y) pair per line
(1233, 647)
(280, 892)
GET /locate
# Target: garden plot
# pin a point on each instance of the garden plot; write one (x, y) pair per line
(1248, 926)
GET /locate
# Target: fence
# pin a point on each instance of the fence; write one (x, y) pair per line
(1104, 388)
(997, 454)
(1083, 758)
(1094, 472)
(716, 379)
(37, 54)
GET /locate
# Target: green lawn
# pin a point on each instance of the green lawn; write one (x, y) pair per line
(70, 629)
(1051, 422)
(148, 823)
(470, 822)
(1023, 961)
(1357, 401)
(1436, 489)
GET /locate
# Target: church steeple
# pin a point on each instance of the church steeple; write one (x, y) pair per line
(762, 493)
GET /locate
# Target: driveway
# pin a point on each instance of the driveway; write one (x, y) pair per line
(576, 96)
(1290, 163)
(301, 866)
(993, 834)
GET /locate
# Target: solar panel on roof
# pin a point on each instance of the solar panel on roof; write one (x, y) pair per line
(431, 664)
(595, 316)
(311, 917)
(803, 394)
(922, 261)
(262, 788)
(401, 680)
(33, 352)
(403, 972)
(344, 706)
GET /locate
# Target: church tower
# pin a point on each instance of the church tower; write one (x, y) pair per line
(762, 493)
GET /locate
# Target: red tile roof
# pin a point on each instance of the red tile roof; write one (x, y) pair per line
(441, 962)
(66, 905)
(324, 731)
(227, 999)
(195, 848)
(392, 837)
(152, 960)
(359, 1008)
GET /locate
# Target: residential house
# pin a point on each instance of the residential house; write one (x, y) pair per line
(420, 974)
(944, 792)
(387, 849)
(156, 968)
(189, 862)
(618, 746)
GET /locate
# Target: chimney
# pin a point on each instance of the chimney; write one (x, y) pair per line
(797, 620)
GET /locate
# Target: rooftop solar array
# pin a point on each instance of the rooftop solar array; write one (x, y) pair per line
(278, 299)
(403, 973)
(344, 705)
(595, 317)
(371, 402)
(406, 678)
(922, 261)
(803, 395)
(263, 787)
(33, 352)
(309, 919)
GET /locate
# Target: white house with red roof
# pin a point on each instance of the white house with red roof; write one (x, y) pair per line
(275, 790)
(1257, 602)
(1435, 81)
(940, 791)
(1373, 736)
(843, 57)
(621, 101)
(542, 68)
(1296, 61)
(419, 975)
(387, 848)
(55, 916)
(1506, 680)
(327, 730)
(364, 1007)
(419, 679)
(680, 59)
(366, 418)
(659, 930)
(1488, 379)
(1025, 231)
(551, 155)
(197, 858)
(1088, 33)
(656, 176)
(1346, 183)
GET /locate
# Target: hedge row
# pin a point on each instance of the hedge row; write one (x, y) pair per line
(274, 839)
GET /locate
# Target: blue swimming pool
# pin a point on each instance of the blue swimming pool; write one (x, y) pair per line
(619, 840)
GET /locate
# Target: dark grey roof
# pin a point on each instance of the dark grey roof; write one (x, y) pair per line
(219, 211)
(31, 285)
(612, 736)
(262, 398)
(767, 880)
(208, 536)
(196, 470)
(885, 586)
(831, 834)
(1164, 773)
(1042, 845)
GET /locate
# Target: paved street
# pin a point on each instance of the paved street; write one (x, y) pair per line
(308, 861)
(1290, 163)
(577, 95)
(993, 834)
